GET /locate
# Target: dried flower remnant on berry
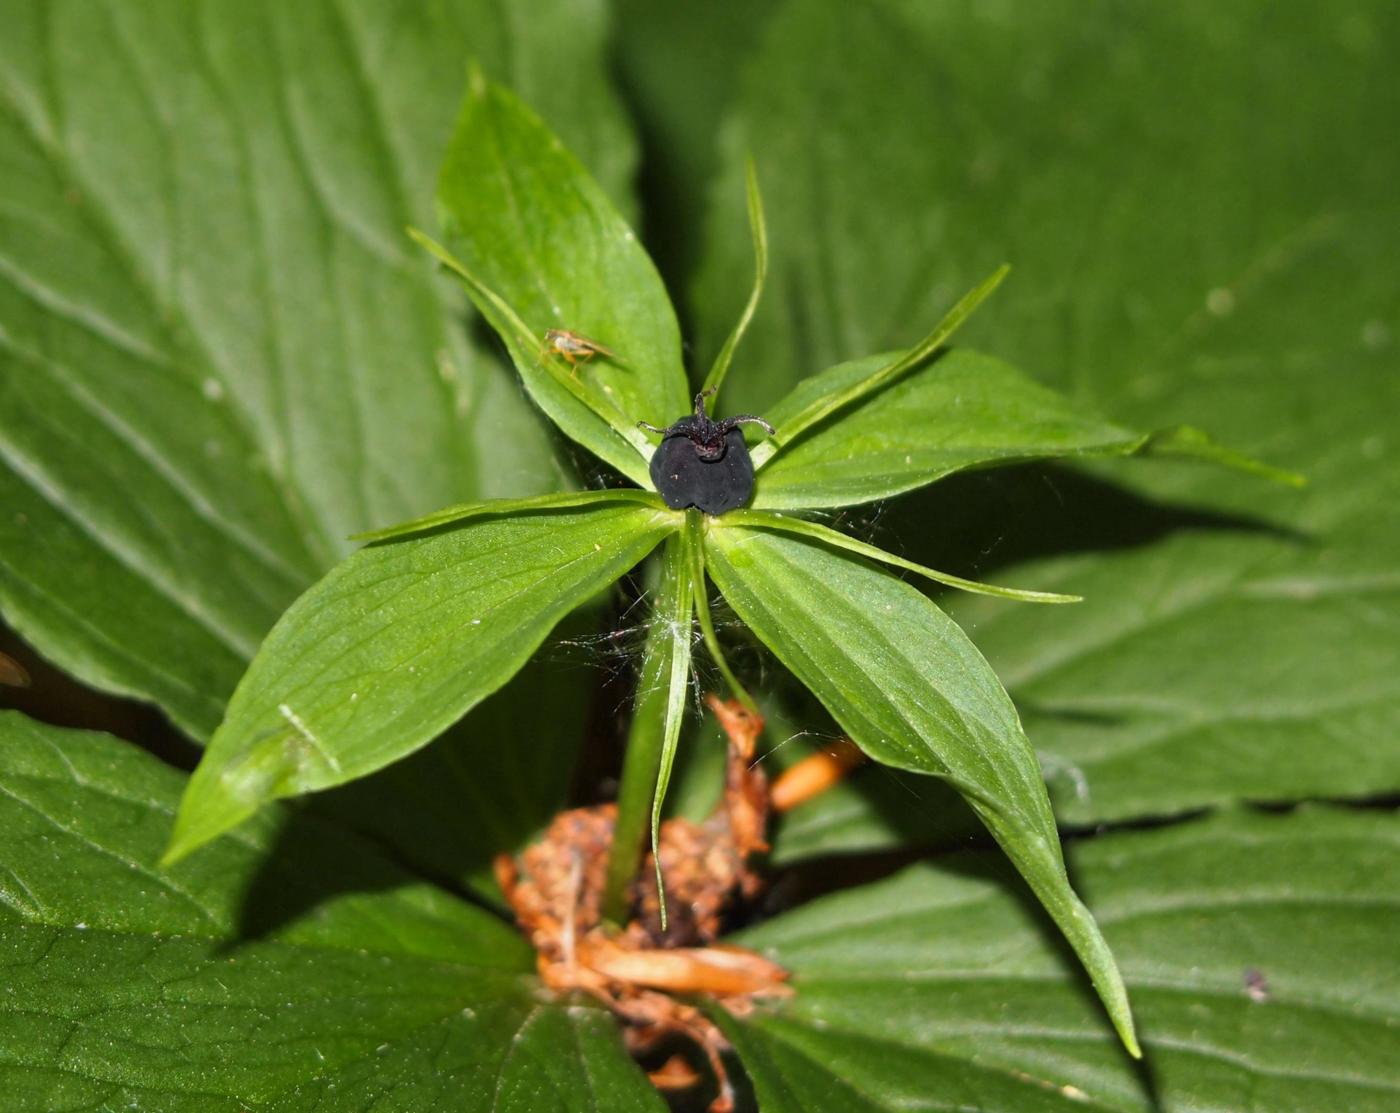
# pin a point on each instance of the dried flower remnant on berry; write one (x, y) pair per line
(702, 462)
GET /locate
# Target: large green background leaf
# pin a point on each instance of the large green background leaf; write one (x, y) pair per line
(219, 355)
(290, 968)
(1258, 950)
(1202, 220)
(678, 67)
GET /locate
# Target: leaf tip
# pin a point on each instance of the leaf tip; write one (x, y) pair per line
(1189, 441)
(476, 79)
(207, 810)
(989, 286)
(181, 844)
(751, 179)
(369, 536)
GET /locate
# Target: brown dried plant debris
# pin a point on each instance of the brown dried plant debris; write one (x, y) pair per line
(555, 887)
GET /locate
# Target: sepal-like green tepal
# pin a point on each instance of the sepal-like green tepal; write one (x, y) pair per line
(758, 227)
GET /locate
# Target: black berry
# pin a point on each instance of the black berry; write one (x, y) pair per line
(704, 463)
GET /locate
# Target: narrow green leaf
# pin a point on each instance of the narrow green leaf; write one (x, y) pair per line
(675, 614)
(560, 501)
(759, 228)
(1259, 949)
(397, 643)
(911, 690)
(801, 410)
(291, 968)
(800, 527)
(1196, 444)
(526, 218)
(646, 737)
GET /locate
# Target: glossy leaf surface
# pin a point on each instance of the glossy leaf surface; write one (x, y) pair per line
(824, 398)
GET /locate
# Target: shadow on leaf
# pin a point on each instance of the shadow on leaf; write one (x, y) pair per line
(443, 813)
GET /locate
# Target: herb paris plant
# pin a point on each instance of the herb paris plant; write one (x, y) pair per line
(415, 629)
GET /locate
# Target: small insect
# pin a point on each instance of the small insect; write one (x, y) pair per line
(704, 463)
(574, 348)
(1256, 986)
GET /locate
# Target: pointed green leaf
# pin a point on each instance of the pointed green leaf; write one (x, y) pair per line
(218, 355)
(758, 228)
(395, 645)
(675, 617)
(291, 968)
(911, 690)
(964, 410)
(560, 501)
(1259, 949)
(1191, 443)
(529, 222)
(823, 397)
